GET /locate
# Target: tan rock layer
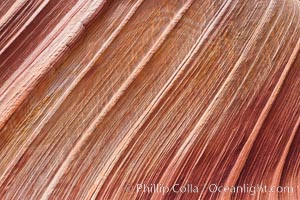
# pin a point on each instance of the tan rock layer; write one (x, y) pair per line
(98, 96)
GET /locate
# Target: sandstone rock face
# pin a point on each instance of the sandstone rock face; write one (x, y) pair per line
(150, 99)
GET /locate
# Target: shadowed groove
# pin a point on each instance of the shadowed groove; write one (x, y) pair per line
(162, 95)
(119, 93)
(17, 157)
(16, 99)
(99, 96)
(71, 88)
(216, 98)
(247, 147)
(176, 159)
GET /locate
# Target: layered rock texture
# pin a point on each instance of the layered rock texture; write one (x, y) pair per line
(115, 99)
